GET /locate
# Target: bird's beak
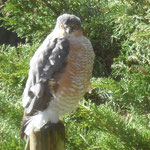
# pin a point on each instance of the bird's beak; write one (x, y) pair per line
(68, 30)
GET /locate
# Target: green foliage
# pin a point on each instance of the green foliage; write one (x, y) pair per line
(14, 64)
(132, 67)
(116, 114)
(10, 118)
(116, 124)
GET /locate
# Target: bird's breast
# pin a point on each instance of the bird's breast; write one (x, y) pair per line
(74, 81)
(76, 77)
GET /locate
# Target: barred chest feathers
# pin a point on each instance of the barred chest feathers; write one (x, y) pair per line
(74, 82)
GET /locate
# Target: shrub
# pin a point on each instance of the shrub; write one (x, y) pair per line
(14, 64)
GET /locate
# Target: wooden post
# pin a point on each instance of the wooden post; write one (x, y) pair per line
(50, 137)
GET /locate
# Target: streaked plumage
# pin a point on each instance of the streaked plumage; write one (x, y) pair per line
(59, 75)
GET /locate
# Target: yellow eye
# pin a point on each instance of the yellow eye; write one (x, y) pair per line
(75, 26)
(62, 26)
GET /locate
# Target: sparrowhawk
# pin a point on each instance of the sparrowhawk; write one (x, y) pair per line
(59, 74)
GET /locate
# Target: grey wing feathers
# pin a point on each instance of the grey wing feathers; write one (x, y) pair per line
(47, 60)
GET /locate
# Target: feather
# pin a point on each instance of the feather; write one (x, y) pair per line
(48, 59)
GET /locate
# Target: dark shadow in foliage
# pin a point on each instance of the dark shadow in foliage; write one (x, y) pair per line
(7, 36)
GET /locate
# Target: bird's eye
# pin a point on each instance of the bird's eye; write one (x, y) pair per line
(75, 26)
(62, 26)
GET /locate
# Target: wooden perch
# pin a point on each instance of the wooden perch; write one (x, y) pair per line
(50, 137)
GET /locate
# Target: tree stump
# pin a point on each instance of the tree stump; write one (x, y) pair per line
(50, 137)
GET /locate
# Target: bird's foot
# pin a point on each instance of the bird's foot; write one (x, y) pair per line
(53, 125)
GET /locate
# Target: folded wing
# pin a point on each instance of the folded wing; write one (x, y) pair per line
(48, 60)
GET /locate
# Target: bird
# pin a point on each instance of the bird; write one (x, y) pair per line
(59, 75)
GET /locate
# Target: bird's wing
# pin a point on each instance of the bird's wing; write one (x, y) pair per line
(48, 60)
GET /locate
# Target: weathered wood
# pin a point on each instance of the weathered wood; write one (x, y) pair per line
(50, 137)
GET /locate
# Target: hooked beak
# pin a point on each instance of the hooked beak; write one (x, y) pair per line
(68, 30)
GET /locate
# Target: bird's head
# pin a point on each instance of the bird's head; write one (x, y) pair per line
(69, 25)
